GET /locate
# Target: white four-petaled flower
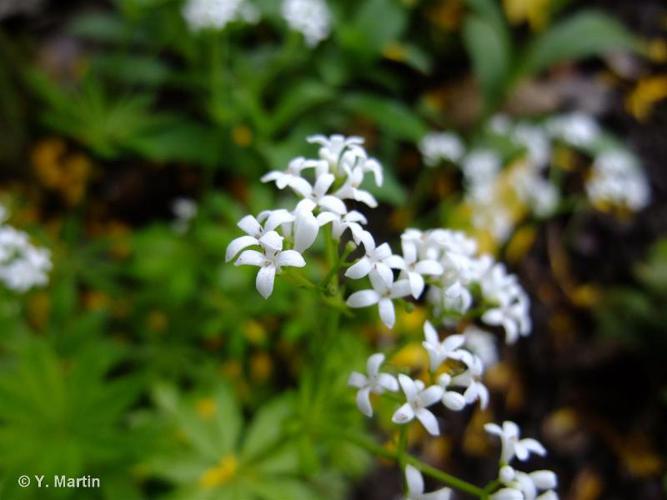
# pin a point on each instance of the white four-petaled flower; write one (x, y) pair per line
(374, 382)
(381, 294)
(418, 400)
(512, 445)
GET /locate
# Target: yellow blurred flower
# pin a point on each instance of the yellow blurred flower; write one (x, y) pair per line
(261, 367)
(648, 92)
(206, 408)
(242, 136)
(219, 474)
(535, 12)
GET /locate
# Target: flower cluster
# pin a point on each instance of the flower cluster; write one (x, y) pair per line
(494, 174)
(22, 266)
(217, 14)
(519, 485)
(441, 266)
(311, 18)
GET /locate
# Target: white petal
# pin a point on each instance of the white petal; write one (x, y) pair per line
(429, 268)
(249, 225)
(238, 244)
(493, 317)
(387, 312)
(493, 429)
(264, 281)
(548, 495)
(306, 228)
(272, 241)
(416, 284)
(441, 494)
(534, 446)
(415, 481)
(409, 250)
(250, 258)
(333, 204)
(363, 298)
(403, 415)
(359, 269)
(453, 400)
(373, 364)
(374, 166)
(429, 421)
(301, 186)
(382, 252)
(365, 197)
(322, 184)
(431, 395)
(544, 479)
(379, 282)
(290, 258)
(400, 289)
(388, 382)
(385, 273)
(430, 334)
(408, 385)
(368, 241)
(364, 402)
(395, 262)
(507, 494)
(453, 342)
(277, 218)
(357, 380)
(325, 217)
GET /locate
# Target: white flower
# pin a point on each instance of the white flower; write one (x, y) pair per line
(481, 166)
(451, 399)
(376, 259)
(539, 193)
(332, 147)
(474, 390)
(536, 142)
(305, 227)
(352, 220)
(318, 194)
(482, 344)
(438, 146)
(374, 382)
(350, 189)
(415, 483)
(22, 265)
(439, 351)
(507, 494)
(309, 17)
(512, 311)
(618, 179)
(216, 14)
(255, 230)
(414, 268)
(512, 446)
(527, 485)
(184, 209)
(270, 262)
(292, 176)
(577, 129)
(418, 400)
(382, 294)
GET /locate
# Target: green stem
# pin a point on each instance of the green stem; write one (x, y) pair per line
(382, 452)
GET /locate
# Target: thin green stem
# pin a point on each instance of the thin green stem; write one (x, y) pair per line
(382, 452)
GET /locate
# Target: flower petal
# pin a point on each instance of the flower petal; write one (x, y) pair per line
(388, 382)
(359, 269)
(290, 258)
(403, 415)
(430, 395)
(387, 312)
(333, 204)
(416, 284)
(238, 244)
(250, 258)
(429, 268)
(364, 401)
(409, 387)
(306, 228)
(249, 225)
(429, 421)
(414, 481)
(363, 298)
(357, 380)
(264, 280)
(453, 400)
(373, 364)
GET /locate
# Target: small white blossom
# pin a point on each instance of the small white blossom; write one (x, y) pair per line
(319, 194)
(617, 178)
(255, 230)
(352, 220)
(184, 209)
(512, 446)
(441, 146)
(481, 166)
(482, 344)
(382, 294)
(350, 189)
(374, 382)
(270, 262)
(413, 267)
(526, 486)
(512, 310)
(415, 483)
(451, 399)
(375, 259)
(292, 175)
(418, 400)
(577, 129)
(216, 14)
(439, 351)
(309, 17)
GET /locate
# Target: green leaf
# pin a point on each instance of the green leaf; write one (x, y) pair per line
(491, 57)
(267, 428)
(583, 35)
(299, 100)
(368, 37)
(394, 118)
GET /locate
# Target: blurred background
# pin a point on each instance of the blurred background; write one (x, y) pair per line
(133, 136)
